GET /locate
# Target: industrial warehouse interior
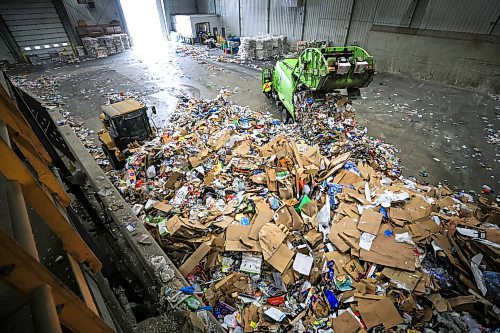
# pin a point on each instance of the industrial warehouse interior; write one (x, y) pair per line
(326, 166)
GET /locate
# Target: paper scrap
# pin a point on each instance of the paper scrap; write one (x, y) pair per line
(275, 314)
(478, 275)
(366, 240)
(251, 263)
(303, 264)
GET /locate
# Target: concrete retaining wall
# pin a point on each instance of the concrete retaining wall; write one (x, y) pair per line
(459, 59)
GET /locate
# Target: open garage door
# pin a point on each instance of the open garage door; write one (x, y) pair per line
(35, 25)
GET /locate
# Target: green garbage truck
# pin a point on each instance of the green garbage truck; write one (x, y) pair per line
(320, 70)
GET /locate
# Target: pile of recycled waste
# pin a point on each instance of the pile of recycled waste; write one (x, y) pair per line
(311, 227)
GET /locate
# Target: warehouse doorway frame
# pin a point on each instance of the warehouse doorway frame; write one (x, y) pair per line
(145, 22)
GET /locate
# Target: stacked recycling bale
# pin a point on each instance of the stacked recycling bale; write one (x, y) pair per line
(125, 40)
(262, 47)
(90, 45)
(108, 43)
(247, 48)
(118, 43)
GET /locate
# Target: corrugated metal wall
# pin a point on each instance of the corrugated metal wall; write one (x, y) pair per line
(253, 17)
(286, 21)
(229, 11)
(362, 21)
(394, 12)
(461, 15)
(329, 19)
(175, 7)
(104, 12)
(5, 52)
(207, 7)
(35, 25)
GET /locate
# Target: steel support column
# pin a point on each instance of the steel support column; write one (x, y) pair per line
(42, 305)
(10, 42)
(43, 310)
(350, 22)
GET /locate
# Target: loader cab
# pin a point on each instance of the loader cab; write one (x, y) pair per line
(124, 123)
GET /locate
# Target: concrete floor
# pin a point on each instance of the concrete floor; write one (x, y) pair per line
(438, 129)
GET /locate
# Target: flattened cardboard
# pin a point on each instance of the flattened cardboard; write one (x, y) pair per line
(285, 189)
(407, 279)
(350, 210)
(198, 159)
(354, 269)
(221, 141)
(174, 224)
(195, 258)
(335, 164)
(243, 148)
(387, 252)
(399, 216)
(272, 146)
(172, 179)
(347, 226)
(282, 258)
(250, 316)
(345, 177)
(263, 215)
(284, 217)
(160, 205)
(418, 208)
(340, 261)
(439, 302)
(380, 312)
(345, 323)
(297, 222)
(226, 220)
(310, 209)
(313, 237)
(295, 150)
(260, 178)
(354, 194)
(370, 221)
(237, 239)
(271, 236)
(272, 185)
